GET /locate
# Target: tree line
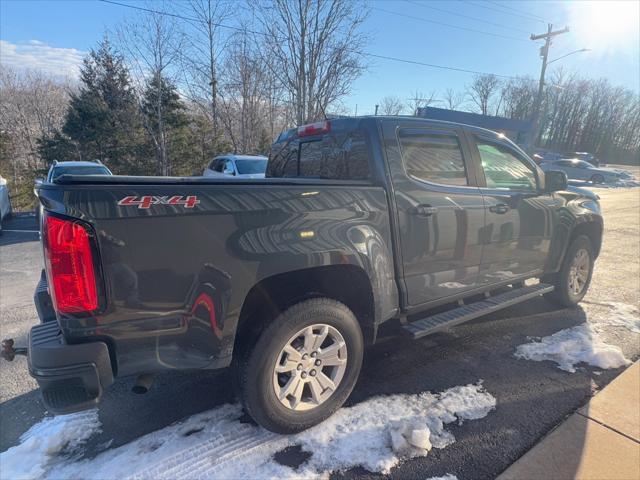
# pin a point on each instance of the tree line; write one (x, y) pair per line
(577, 114)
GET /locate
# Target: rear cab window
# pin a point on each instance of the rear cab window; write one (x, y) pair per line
(79, 170)
(342, 153)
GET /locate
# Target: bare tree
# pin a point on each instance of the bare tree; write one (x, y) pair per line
(32, 107)
(453, 99)
(421, 100)
(245, 94)
(518, 97)
(482, 90)
(153, 44)
(314, 50)
(201, 53)
(391, 105)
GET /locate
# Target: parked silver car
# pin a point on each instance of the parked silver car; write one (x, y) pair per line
(581, 170)
(239, 166)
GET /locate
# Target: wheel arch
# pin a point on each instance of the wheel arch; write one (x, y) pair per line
(346, 283)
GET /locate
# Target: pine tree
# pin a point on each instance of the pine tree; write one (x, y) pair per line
(103, 117)
(166, 123)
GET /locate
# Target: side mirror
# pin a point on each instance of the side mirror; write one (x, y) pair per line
(555, 180)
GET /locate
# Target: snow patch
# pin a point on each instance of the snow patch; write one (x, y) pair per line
(584, 343)
(572, 346)
(448, 476)
(62, 434)
(623, 315)
(376, 434)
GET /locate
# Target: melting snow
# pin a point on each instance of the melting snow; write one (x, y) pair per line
(63, 434)
(216, 444)
(583, 343)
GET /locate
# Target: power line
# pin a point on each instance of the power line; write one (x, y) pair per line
(433, 65)
(529, 14)
(373, 55)
(502, 11)
(424, 5)
(183, 17)
(468, 29)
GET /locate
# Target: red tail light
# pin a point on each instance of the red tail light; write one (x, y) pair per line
(314, 129)
(69, 262)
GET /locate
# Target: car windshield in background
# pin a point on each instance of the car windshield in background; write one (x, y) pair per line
(248, 167)
(97, 170)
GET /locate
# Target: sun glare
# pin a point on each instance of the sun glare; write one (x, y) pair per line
(611, 25)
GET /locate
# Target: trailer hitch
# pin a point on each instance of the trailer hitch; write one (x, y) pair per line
(9, 352)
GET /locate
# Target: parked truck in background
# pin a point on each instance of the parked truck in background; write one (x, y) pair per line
(359, 223)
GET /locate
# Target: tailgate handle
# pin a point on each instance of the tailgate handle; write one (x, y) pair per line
(423, 210)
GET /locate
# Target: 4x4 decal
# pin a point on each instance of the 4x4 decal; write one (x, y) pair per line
(148, 200)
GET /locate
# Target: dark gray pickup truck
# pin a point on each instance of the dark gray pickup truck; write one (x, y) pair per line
(415, 224)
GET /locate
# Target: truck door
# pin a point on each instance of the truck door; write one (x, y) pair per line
(440, 210)
(519, 222)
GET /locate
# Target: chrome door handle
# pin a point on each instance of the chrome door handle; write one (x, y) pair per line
(499, 208)
(423, 210)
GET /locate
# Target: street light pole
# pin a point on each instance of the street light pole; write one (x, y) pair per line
(570, 53)
(535, 118)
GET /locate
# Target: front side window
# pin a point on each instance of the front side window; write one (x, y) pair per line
(504, 169)
(433, 157)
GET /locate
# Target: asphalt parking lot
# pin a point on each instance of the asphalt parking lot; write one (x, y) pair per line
(532, 397)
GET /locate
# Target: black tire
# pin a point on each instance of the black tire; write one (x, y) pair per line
(597, 178)
(562, 295)
(256, 368)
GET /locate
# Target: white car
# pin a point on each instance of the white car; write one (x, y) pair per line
(239, 166)
(5, 201)
(581, 170)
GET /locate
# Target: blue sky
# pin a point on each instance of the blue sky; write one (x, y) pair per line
(53, 35)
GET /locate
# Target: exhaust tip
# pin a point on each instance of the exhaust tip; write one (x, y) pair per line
(143, 384)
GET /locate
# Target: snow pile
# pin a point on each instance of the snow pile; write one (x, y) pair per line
(216, 444)
(63, 434)
(571, 346)
(583, 343)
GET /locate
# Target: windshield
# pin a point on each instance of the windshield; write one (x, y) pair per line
(246, 167)
(84, 170)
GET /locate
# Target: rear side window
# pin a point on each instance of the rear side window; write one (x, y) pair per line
(433, 157)
(337, 156)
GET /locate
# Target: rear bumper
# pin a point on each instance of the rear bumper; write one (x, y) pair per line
(71, 377)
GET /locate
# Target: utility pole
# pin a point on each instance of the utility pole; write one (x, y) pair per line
(544, 53)
(377, 110)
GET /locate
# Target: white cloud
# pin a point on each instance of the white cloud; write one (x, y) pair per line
(36, 55)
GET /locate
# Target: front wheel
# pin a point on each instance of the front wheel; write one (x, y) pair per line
(597, 178)
(573, 280)
(303, 366)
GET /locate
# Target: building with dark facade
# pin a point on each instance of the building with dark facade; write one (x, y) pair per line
(516, 130)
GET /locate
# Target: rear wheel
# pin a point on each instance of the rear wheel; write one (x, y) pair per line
(573, 280)
(597, 178)
(303, 366)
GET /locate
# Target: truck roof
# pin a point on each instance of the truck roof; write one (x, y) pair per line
(345, 120)
(78, 163)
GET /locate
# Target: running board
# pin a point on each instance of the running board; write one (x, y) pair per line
(440, 321)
